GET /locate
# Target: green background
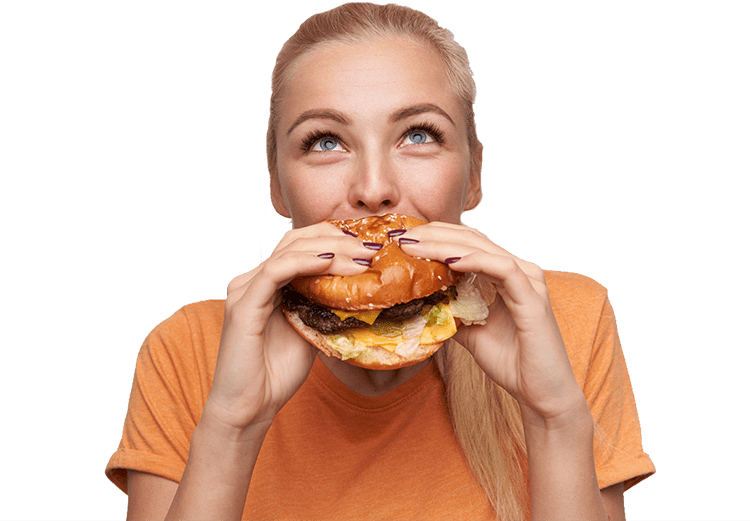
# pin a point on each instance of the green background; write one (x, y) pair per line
(134, 181)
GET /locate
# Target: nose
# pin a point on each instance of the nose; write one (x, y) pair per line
(374, 186)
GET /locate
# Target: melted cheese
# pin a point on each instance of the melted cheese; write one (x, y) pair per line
(368, 316)
(430, 335)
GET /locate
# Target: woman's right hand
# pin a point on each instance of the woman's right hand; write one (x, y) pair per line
(262, 360)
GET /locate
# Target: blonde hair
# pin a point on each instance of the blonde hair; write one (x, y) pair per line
(487, 419)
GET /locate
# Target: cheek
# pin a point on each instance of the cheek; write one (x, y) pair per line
(309, 198)
(441, 180)
(441, 192)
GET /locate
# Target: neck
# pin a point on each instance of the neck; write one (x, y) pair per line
(369, 382)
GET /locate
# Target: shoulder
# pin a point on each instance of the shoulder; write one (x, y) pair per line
(576, 297)
(569, 288)
(205, 316)
(583, 313)
(190, 337)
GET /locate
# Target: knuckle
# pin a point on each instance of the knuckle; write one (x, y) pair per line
(231, 286)
(478, 233)
(236, 283)
(288, 238)
(510, 265)
(266, 270)
(285, 239)
(535, 272)
(295, 243)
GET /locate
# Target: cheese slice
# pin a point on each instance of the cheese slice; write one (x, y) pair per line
(437, 332)
(368, 316)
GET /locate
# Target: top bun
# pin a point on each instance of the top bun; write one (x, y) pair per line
(393, 278)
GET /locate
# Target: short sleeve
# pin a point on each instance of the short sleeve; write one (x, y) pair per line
(587, 323)
(617, 439)
(172, 379)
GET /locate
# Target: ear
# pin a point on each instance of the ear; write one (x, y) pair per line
(474, 193)
(277, 197)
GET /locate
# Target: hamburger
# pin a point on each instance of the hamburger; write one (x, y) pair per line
(397, 313)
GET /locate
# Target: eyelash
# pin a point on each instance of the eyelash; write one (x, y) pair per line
(428, 128)
(313, 137)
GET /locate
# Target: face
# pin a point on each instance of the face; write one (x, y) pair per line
(372, 128)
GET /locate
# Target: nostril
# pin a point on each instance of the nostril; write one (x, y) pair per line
(384, 204)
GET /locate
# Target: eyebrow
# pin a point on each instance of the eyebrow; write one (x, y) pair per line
(318, 114)
(415, 110)
(399, 115)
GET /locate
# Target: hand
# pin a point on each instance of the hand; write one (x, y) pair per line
(262, 360)
(520, 347)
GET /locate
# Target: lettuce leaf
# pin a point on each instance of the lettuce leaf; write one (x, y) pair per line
(469, 305)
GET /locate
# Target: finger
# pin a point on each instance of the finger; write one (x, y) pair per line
(450, 233)
(253, 301)
(349, 255)
(316, 230)
(511, 281)
(449, 242)
(255, 293)
(251, 306)
(322, 229)
(436, 233)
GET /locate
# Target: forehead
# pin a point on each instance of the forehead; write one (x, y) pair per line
(368, 77)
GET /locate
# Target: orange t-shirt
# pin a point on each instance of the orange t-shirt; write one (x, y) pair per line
(334, 454)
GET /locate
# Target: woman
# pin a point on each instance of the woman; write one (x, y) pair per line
(372, 113)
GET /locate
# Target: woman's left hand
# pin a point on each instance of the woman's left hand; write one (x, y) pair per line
(520, 347)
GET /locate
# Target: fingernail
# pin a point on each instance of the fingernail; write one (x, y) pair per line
(396, 233)
(352, 234)
(328, 255)
(406, 240)
(372, 245)
(363, 262)
(451, 260)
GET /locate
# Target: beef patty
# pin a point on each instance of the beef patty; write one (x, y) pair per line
(324, 320)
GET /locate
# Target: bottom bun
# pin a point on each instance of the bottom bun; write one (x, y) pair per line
(373, 357)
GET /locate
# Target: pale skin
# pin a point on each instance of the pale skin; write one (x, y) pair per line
(373, 128)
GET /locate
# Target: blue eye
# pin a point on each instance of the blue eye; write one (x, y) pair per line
(327, 144)
(422, 134)
(418, 137)
(324, 144)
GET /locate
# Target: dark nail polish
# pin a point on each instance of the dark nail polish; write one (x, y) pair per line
(372, 245)
(451, 260)
(396, 233)
(363, 262)
(352, 234)
(406, 240)
(328, 255)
